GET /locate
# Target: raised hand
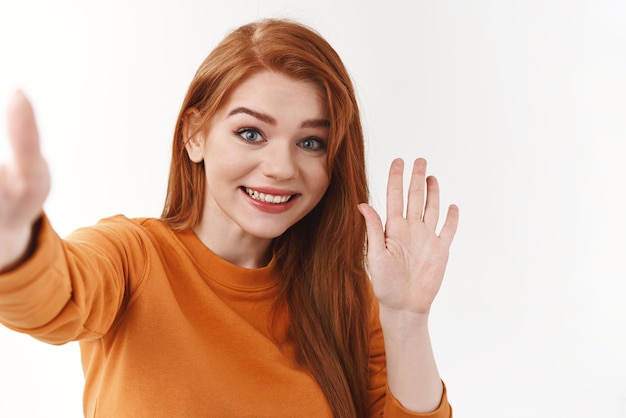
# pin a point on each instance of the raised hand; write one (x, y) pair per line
(407, 258)
(24, 182)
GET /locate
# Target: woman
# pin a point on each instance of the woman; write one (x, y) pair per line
(250, 296)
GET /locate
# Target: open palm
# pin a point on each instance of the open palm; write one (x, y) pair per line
(407, 258)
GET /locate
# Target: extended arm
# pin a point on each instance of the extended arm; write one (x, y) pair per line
(54, 290)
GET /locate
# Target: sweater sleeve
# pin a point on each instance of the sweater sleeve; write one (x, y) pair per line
(382, 403)
(74, 289)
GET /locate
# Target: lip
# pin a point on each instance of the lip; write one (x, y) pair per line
(271, 207)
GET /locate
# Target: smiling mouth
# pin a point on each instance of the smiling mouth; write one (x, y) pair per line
(266, 197)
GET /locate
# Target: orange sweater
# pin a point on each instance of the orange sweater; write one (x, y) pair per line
(169, 329)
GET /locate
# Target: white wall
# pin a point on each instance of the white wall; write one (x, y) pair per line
(520, 108)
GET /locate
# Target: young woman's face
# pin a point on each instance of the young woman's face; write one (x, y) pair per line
(265, 156)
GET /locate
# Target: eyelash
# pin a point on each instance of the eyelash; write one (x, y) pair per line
(320, 144)
(242, 132)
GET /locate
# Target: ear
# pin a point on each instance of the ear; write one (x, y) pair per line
(194, 137)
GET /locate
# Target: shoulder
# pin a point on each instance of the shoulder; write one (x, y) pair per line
(121, 234)
(120, 226)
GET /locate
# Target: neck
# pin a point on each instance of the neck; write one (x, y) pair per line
(239, 249)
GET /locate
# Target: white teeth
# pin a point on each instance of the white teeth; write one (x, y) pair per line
(268, 198)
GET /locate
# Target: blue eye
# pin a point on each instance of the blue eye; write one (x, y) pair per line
(312, 144)
(250, 135)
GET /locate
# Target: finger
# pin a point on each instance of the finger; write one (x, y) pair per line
(450, 225)
(415, 204)
(431, 211)
(374, 226)
(395, 192)
(22, 130)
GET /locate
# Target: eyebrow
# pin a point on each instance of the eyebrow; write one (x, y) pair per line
(312, 123)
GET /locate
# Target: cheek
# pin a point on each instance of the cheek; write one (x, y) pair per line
(224, 160)
(221, 171)
(321, 178)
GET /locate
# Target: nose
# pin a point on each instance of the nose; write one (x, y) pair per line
(279, 162)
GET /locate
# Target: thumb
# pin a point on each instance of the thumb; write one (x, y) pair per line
(374, 225)
(22, 130)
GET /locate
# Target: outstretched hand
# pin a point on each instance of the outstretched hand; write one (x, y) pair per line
(24, 181)
(407, 258)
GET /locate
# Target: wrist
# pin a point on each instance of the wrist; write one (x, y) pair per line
(15, 247)
(403, 316)
(403, 323)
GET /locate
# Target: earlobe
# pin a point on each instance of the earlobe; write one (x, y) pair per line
(194, 138)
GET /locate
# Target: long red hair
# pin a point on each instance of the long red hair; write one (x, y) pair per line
(324, 283)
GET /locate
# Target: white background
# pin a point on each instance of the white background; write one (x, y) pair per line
(519, 106)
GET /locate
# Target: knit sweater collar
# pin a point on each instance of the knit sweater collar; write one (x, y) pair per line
(225, 272)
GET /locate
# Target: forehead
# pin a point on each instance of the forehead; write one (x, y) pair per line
(279, 95)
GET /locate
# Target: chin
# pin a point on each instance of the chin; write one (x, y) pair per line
(266, 233)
